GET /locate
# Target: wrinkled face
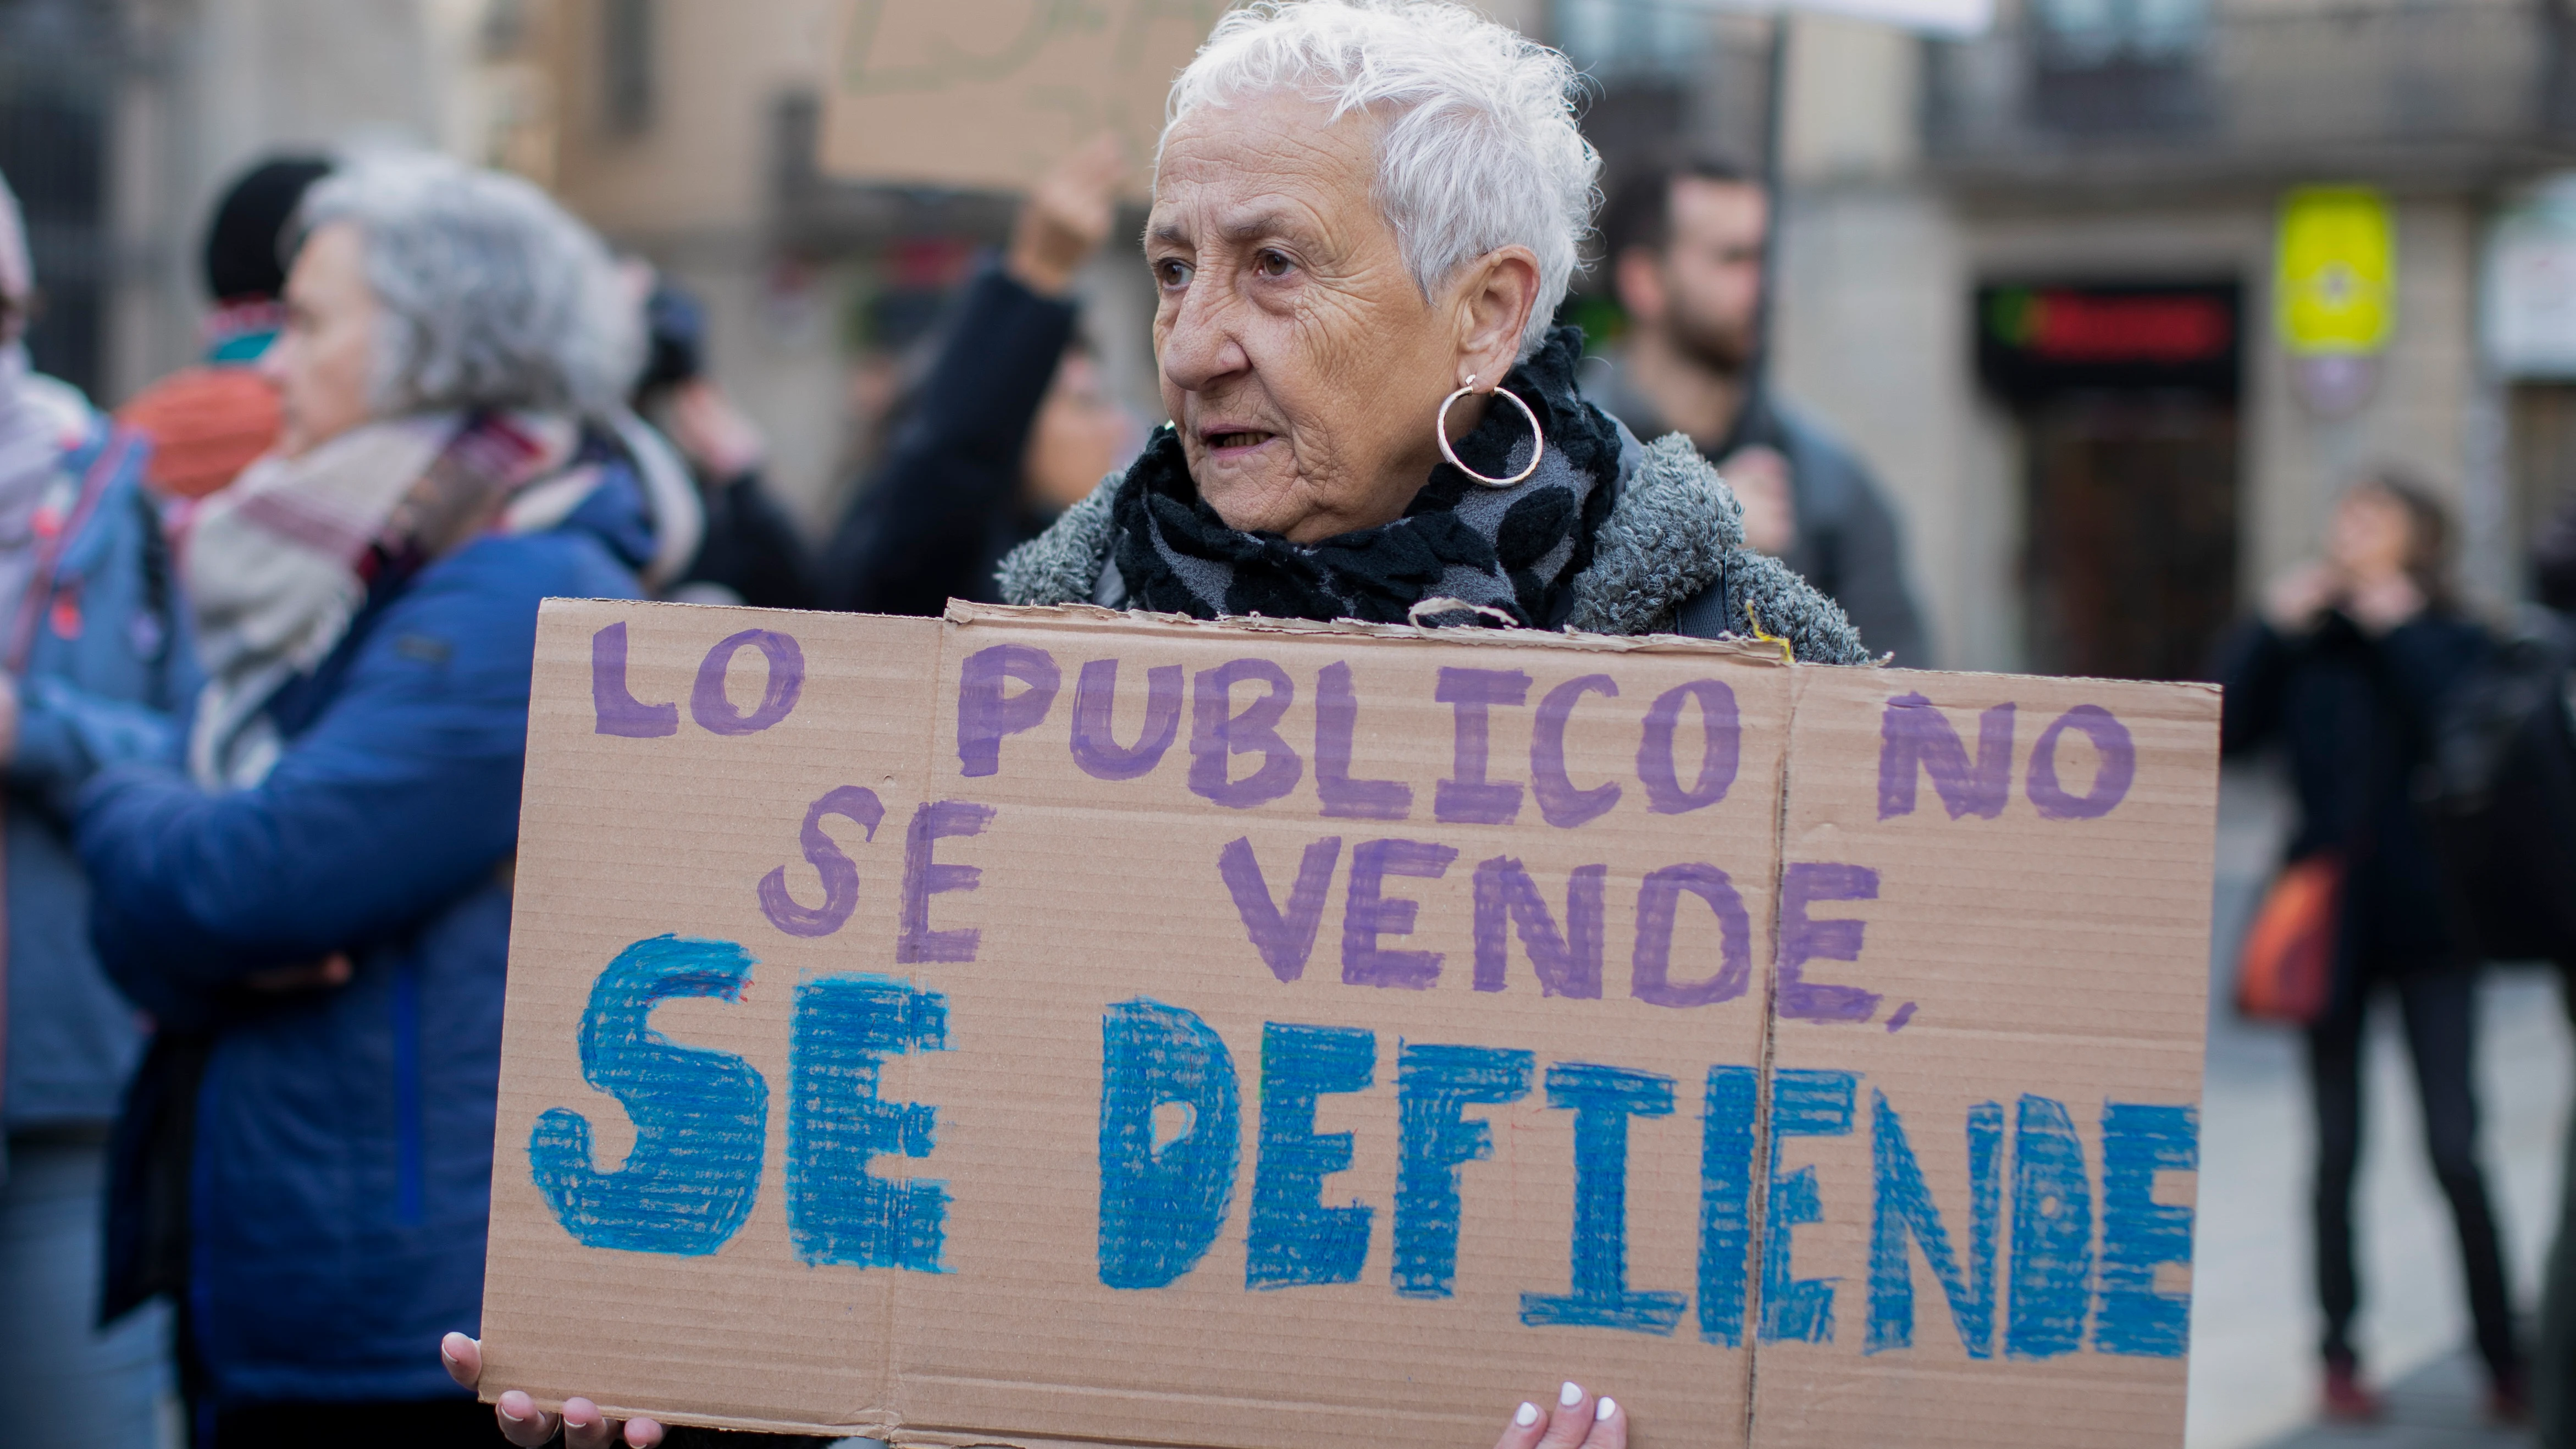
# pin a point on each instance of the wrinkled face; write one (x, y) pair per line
(2371, 535)
(1708, 286)
(324, 360)
(1300, 363)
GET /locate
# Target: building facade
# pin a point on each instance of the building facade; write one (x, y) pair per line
(2029, 274)
(2032, 274)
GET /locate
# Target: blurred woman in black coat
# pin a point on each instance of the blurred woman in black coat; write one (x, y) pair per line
(2346, 668)
(1013, 423)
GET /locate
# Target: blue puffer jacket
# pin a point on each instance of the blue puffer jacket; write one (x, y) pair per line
(341, 1168)
(107, 668)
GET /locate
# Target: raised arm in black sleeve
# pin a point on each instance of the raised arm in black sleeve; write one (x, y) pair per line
(919, 532)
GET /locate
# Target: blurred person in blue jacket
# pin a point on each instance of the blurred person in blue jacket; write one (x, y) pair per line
(319, 898)
(1013, 423)
(96, 664)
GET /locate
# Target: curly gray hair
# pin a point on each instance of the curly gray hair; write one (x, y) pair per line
(1480, 149)
(493, 295)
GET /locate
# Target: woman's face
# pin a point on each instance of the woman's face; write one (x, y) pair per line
(1080, 433)
(1300, 363)
(2371, 535)
(324, 360)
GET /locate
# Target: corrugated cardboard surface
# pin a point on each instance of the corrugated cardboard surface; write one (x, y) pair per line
(2060, 959)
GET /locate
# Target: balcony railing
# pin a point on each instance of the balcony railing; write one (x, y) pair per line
(2460, 91)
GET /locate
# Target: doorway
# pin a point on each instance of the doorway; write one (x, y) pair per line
(2126, 393)
(2130, 563)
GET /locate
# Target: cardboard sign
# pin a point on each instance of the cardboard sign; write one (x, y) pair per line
(987, 94)
(1055, 1025)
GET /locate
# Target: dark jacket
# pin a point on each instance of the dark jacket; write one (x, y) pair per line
(1668, 558)
(2355, 717)
(947, 503)
(107, 668)
(340, 1174)
(1848, 544)
(751, 553)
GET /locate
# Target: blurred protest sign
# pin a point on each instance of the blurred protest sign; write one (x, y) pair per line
(1941, 17)
(986, 94)
(1051, 1025)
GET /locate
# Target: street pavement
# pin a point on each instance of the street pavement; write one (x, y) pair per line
(2254, 1320)
(2437, 1406)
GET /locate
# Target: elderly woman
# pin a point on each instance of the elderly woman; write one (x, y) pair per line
(1365, 215)
(321, 899)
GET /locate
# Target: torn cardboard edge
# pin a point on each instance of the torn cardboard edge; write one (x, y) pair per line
(1098, 618)
(1094, 618)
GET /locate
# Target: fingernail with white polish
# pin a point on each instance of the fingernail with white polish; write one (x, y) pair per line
(506, 1414)
(1527, 1416)
(1571, 1394)
(1606, 1408)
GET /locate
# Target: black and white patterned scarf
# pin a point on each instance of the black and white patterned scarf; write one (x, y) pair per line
(1513, 549)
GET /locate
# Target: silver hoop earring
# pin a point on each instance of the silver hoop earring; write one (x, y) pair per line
(1440, 430)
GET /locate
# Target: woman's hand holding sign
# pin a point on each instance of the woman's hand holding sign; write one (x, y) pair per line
(584, 1426)
(1579, 1421)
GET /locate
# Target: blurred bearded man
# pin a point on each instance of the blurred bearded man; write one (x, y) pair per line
(1685, 249)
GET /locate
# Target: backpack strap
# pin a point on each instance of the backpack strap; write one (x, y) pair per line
(67, 506)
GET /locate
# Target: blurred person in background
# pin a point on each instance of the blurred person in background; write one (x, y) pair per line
(96, 667)
(2348, 666)
(320, 897)
(1685, 249)
(751, 553)
(209, 421)
(1013, 423)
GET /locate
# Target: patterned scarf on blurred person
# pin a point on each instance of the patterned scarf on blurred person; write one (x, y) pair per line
(279, 564)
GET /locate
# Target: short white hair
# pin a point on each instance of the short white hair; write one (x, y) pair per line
(492, 295)
(1479, 149)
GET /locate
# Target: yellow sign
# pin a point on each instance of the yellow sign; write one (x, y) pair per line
(2336, 277)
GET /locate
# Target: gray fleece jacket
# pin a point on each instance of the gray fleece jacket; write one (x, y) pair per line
(1670, 559)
